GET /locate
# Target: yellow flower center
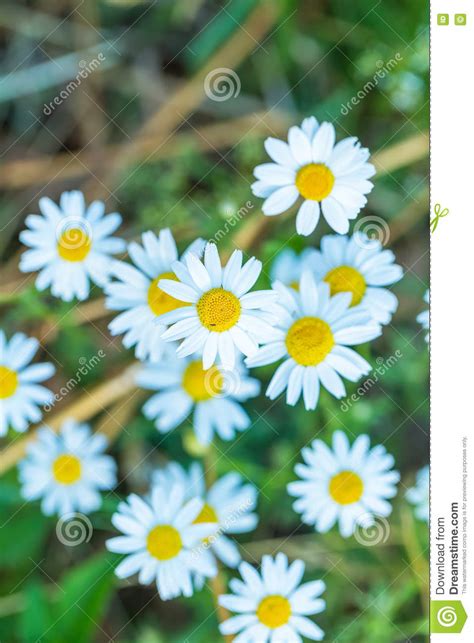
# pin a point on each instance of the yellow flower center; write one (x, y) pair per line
(274, 611)
(200, 384)
(346, 487)
(218, 310)
(207, 515)
(347, 279)
(74, 244)
(314, 181)
(309, 340)
(158, 300)
(8, 382)
(67, 469)
(295, 285)
(164, 542)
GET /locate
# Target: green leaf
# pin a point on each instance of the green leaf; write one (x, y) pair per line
(36, 619)
(82, 598)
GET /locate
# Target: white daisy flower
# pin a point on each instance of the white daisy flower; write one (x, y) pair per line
(136, 292)
(349, 485)
(228, 503)
(70, 244)
(162, 541)
(273, 607)
(328, 177)
(67, 470)
(213, 396)
(314, 332)
(419, 495)
(424, 317)
(221, 315)
(20, 392)
(288, 266)
(361, 266)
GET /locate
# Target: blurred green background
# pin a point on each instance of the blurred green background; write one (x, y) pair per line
(141, 133)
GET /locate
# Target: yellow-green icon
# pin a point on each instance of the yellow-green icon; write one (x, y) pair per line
(447, 617)
(460, 19)
(443, 18)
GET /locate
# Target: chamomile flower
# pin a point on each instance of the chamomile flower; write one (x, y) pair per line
(361, 266)
(221, 316)
(228, 503)
(289, 266)
(70, 244)
(328, 177)
(273, 606)
(213, 396)
(314, 332)
(424, 317)
(67, 470)
(419, 495)
(136, 292)
(162, 541)
(20, 392)
(345, 484)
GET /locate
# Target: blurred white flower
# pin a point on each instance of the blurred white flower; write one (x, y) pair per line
(273, 607)
(20, 392)
(213, 396)
(162, 541)
(332, 178)
(312, 336)
(229, 503)
(67, 470)
(361, 266)
(423, 318)
(135, 291)
(70, 245)
(346, 484)
(419, 495)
